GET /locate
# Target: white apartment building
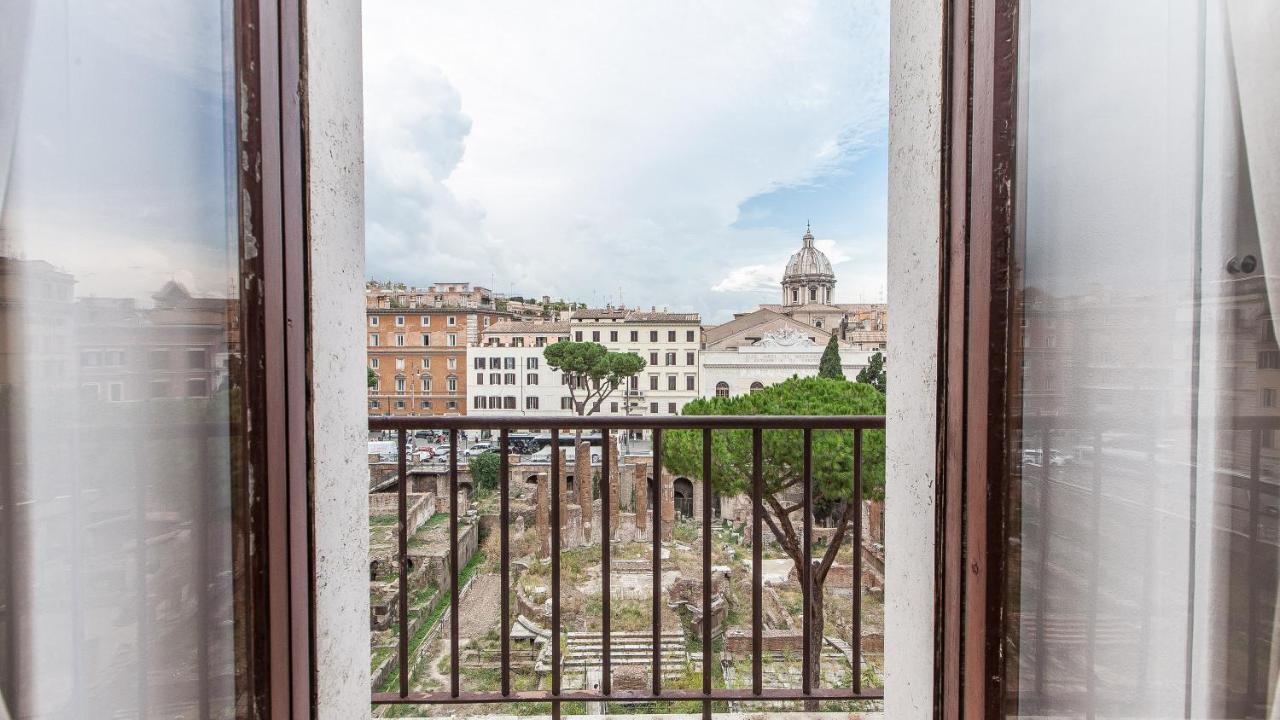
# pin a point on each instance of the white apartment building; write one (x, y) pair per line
(670, 344)
(507, 374)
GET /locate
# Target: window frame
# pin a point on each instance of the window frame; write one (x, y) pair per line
(979, 334)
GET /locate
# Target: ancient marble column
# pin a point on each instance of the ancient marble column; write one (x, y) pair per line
(582, 480)
(642, 496)
(543, 517)
(615, 484)
(668, 505)
(564, 489)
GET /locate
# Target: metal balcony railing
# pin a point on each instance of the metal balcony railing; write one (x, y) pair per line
(604, 425)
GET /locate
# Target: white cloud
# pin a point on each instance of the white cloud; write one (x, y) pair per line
(609, 144)
(751, 278)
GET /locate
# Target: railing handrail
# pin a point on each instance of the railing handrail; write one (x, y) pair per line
(627, 422)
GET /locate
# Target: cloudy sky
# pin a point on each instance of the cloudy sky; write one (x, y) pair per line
(663, 153)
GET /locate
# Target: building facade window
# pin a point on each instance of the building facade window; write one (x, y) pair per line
(689, 336)
(479, 378)
(653, 358)
(671, 382)
(451, 405)
(451, 363)
(531, 363)
(451, 340)
(577, 335)
(479, 403)
(1269, 397)
(531, 403)
(478, 363)
(595, 336)
(653, 408)
(689, 358)
(509, 378)
(426, 339)
(451, 383)
(495, 378)
(653, 382)
(509, 402)
(508, 363)
(671, 336)
(399, 384)
(690, 381)
(399, 363)
(424, 321)
(531, 379)
(399, 339)
(451, 320)
(373, 321)
(722, 389)
(757, 386)
(373, 363)
(399, 321)
(671, 408)
(566, 403)
(635, 336)
(653, 336)
(613, 336)
(671, 358)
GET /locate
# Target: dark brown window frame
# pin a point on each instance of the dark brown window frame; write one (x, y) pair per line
(977, 334)
(272, 494)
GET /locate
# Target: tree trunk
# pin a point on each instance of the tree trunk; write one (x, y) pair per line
(816, 626)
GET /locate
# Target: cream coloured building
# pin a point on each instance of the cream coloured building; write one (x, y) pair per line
(775, 342)
(670, 344)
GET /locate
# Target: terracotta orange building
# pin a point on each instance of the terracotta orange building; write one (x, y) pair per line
(417, 349)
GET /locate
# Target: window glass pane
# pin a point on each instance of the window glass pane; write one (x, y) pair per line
(118, 230)
(1143, 510)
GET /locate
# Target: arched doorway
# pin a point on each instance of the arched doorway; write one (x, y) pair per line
(683, 489)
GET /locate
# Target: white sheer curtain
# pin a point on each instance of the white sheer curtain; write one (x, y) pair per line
(118, 287)
(1147, 573)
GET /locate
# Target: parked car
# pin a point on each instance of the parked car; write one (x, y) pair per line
(479, 448)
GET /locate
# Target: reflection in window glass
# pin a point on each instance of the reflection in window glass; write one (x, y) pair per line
(1144, 519)
(117, 274)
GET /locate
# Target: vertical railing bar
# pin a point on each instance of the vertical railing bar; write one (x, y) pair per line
(856, 624)
(806, 567)
(1042, 571)
(453, 562)
(706, 570)
(504, 521)
(402, 512)
(606, 534)
(1091, 636)
(1255, 499)
(757, 599)
(555, 566)
(203, 585)
(656, 504)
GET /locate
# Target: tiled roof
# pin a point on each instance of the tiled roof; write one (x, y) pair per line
(528, 326)
(599, 314)
(635, 315)
(663, 317)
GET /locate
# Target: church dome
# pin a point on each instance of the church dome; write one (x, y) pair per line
(809, 263)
